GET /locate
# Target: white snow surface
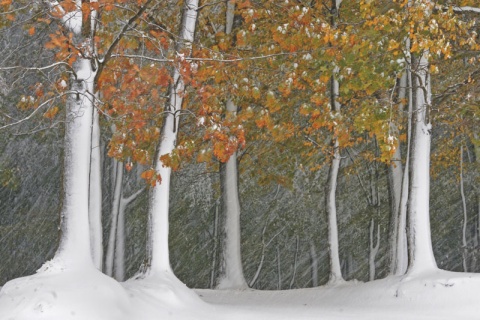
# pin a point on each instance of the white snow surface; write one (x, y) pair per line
(58, 293)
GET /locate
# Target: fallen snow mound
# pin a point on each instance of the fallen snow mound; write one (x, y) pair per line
(56, 292)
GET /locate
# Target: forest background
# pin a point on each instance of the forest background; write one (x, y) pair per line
(280, 75)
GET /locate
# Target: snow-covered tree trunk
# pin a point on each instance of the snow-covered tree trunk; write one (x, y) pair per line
(401, 264)
(333, 244)
(465, 216)
(231, 269)
(74, 249)
(119, 259)
(330, 192)
(215, 247)
(476, 146)
(158, 251)
(374, 246)
(120, 238)
(421, 256)
(295, 262)
(95, 197)
(279, 270)
(398, 178)
(314, 264)
(395, 175)
(117, 196)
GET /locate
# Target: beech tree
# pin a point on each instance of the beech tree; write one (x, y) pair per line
(158, 251)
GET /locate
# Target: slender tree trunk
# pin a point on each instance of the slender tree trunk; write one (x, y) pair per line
(279, 270)
(314, 264)
(215, 248)
(119, 261)
(395, 173)
(402, 242)
(421, 256)
(295, 264)
(374, 246)
(95, 196)
(157, 246)
(333, 244)
(231, 269)
(117, 196)
(465, 216)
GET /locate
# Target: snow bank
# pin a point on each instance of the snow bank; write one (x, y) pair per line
(59, 293)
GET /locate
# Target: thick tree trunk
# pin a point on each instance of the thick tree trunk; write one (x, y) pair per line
(74, 249)
(75, 226)
(158, 251)
(421, 256)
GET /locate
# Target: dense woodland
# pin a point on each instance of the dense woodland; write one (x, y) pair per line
(242, 143)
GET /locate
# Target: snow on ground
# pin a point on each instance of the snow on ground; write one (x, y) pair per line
(438, 295)
(89, 295)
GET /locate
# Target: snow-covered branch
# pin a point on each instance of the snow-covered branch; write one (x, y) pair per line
(32, 114)
(466, 10)
(126, 201)
(51, 66)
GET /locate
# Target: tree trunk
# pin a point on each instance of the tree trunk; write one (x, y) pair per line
(95, 197)
(295, 263)
(215, 248)
(119, 261)
(314, 264)
(231, 269)
(330, 192)
(279, 270)
(157, 246)
(374, 246)
(117, 195)
(465, 216)
(402, 242)
(74, 249)
(421, 256)
(395, 174)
